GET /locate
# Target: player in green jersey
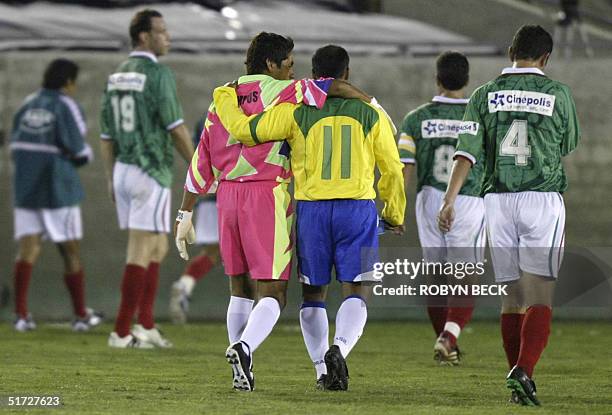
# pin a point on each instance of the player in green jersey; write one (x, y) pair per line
(140, 112)
(526, 123)
(428, 136)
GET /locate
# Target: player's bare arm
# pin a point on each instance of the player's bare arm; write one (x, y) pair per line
(408, 171)
(108, 159)
(461, 169)
(182, 142)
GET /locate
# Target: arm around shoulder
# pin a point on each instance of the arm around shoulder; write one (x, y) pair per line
(274, 124)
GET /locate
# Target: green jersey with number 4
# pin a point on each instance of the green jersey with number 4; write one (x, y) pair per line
(526, 123)
(139, 108)
(428, 136)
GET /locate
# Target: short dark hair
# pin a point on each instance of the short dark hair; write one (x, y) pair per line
(266, 46)
(329, 62)
(530, 42)
(141, 22)
(59, 72)
(452, 70)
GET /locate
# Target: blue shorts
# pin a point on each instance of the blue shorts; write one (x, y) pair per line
(339, 233)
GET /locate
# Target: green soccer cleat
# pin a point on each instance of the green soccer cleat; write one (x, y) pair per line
(514, 398)
(518, 382)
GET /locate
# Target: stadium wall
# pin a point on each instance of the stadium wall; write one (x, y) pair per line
(399, 84)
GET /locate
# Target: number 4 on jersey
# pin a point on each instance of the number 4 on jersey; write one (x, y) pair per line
(515, 143)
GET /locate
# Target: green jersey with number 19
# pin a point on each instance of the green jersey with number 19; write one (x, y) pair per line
(526, 123)
(139, 108)
(428, 136)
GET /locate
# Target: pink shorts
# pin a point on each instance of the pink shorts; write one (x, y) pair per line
(255, 229)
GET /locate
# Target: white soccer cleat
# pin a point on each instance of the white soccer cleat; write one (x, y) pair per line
(152, 336)
(179, 303)
(24, 324)
(445, 354)
(127, 342)
(91, 320)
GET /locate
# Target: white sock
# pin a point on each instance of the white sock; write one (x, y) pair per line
(238, 312)
(453, 328)
(188, 282)
(315, 330)
(350, 321)
(261, 322)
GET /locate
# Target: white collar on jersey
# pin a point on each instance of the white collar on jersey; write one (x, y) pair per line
(515, 70)
(144, 55)
(447, 100)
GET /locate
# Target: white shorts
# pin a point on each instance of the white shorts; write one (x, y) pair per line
(141, 202)
(526, 233)
(466, 240)
(206, 223)
(58, 225)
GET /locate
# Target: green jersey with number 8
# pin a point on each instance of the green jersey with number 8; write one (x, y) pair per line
(526, 123)
(139, 108)
(428, 136)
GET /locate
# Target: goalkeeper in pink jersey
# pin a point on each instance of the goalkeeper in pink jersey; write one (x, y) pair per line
(254, 205)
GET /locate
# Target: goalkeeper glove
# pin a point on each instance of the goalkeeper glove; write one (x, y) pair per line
(184, 233)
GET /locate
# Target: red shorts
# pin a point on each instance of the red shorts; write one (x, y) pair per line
(255, 229)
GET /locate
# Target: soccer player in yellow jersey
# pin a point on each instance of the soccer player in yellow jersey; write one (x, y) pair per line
(334, 152)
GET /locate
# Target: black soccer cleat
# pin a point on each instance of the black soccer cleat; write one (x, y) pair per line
(518, 382)
(337, 378)
(320, 385)
(242, 366)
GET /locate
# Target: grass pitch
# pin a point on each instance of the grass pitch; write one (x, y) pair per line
(392, 371)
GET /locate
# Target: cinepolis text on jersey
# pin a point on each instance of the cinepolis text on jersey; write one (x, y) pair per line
(444, 289)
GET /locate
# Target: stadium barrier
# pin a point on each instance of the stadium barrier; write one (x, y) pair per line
(399, 84)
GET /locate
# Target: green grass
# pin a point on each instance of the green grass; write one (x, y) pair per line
(392, 371)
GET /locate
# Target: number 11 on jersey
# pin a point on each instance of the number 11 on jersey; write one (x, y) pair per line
(345, 152)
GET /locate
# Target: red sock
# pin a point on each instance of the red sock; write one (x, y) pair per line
(198, 267)
(131, 292)
(437, 316)
(511, 324)
(75, 283)
(534, 336)
(460, 313)
(23, 274)
(147, 301)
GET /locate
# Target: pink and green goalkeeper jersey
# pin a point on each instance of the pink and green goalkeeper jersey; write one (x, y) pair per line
(221, 157)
